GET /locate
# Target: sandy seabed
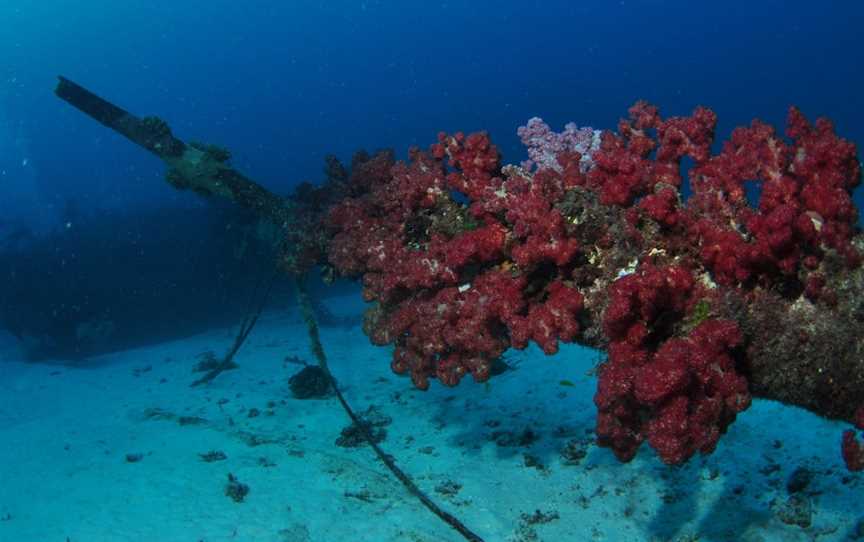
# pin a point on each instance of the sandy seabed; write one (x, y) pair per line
(112, 449)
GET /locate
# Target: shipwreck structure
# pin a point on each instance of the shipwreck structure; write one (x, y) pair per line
(701, 303)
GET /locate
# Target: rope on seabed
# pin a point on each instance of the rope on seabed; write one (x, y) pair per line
(253, 311)
(317, 349)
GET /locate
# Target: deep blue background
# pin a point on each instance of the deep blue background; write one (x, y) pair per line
(284, 83)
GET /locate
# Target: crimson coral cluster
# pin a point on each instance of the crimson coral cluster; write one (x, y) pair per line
(466, 259)
(450, 296)
(851, 448)
(678, 392)
(681, 393)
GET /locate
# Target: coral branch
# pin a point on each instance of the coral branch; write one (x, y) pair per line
(701, 304)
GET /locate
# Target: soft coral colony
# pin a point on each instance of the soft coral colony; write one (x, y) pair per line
(701, 303)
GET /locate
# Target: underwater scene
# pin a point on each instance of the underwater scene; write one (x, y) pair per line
(511, 271)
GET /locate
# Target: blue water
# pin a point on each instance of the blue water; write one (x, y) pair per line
(282, 84)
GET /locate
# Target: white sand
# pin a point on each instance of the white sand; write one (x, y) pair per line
(66, 430)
